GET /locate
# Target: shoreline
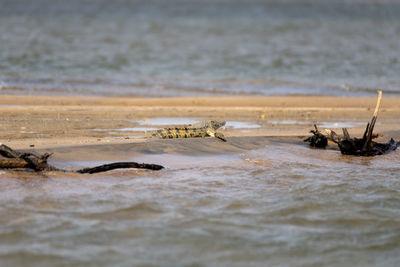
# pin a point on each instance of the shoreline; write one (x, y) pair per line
(222, 101)
(44, 122)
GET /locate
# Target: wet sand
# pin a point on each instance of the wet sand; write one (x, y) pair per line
(90, 124)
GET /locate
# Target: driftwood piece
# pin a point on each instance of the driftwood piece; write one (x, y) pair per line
(364, 146)
(317, 139)
(14, 159)
(13, 164)
(121, 165)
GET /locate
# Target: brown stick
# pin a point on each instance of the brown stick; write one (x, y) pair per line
(346, 134)
(367, 138)
(8, 152)
(120, 165)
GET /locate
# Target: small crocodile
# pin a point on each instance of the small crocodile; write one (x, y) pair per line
(204, 129)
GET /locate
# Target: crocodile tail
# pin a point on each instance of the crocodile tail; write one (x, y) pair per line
(162, 133)
(175, 133)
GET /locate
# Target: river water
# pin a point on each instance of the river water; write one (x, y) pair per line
(282, 204)
(197, 47)
(275, 204)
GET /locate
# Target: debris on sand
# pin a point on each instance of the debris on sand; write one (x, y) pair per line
(318, 139)
(14, 159)
(364, 146)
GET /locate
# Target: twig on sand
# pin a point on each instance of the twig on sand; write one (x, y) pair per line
(14, 159)
(364, 146)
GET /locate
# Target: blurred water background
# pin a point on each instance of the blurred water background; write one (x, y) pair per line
(199, 47)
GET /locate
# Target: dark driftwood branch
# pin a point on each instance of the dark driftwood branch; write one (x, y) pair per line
(13, 164)
(121, 165)
(364, 146)
(7, 152)
(317, 139)
(17, 160)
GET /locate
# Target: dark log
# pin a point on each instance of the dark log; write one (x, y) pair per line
(18, 160)
(317, 139)
(365, 146)
(121, 165)
(26, 160)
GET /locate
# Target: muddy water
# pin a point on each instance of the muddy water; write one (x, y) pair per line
(277, 204)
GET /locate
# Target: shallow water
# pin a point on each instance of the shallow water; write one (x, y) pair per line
(279, 205)
(167, 121)
(178, 121)
(195, 47)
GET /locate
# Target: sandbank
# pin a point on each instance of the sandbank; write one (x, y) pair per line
(59, 123)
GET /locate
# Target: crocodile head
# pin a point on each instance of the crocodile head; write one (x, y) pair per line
(215, 124)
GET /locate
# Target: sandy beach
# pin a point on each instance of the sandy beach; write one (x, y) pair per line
(57, 121)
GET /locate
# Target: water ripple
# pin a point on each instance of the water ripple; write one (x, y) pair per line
(281, 205)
